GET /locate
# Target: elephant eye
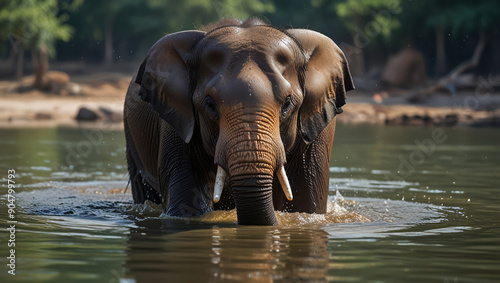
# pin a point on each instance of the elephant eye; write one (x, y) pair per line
(211, 107)
(286, 107)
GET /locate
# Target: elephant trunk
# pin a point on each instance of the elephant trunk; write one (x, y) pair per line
(253, 197)
(260, 187)
(251, 152)
(251, 164)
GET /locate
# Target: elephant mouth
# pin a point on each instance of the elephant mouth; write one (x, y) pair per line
(221, 177)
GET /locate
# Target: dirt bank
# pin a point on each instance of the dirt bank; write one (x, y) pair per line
(411, 115)
(22, 106)
(103, 94)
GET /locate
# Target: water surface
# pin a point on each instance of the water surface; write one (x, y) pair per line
(406, 205)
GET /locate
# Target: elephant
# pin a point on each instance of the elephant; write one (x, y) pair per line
(236, 114)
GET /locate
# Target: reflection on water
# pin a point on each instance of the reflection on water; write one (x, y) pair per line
(212, 252)
(437, 224)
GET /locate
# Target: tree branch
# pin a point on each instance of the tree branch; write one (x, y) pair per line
(473, 62)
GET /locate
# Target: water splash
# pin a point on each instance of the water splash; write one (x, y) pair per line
(102, 200)
(338, 211)
(108, 200)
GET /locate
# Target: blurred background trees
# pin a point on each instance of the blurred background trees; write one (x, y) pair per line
(115, 31)
(34, 26)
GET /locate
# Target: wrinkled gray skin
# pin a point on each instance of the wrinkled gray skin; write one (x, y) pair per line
(243, 96)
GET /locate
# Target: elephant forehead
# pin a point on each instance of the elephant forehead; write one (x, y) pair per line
(247, 88)
(254, 65)
(259, 38)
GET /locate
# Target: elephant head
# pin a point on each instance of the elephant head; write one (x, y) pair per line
(251, 92)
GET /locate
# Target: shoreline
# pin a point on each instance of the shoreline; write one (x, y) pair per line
(413, 115)
(57, 112)
(102, 97)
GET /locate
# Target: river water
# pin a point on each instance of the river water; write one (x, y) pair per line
(407, 204)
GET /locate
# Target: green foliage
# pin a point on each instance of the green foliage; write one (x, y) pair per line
(138, 24)
(205, 11)
(35, 24)
(369, 14)
(378, 25)
(303, 14)
(464, 16)
(242, 9)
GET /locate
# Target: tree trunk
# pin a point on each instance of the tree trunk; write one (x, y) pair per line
(20, 62)
(11, 63)
(108, 42)
(360, 40)
(473, 61)
(357, 62)
(440, 53)
(41, 66)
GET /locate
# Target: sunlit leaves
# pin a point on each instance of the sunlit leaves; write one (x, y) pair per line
(37, 24)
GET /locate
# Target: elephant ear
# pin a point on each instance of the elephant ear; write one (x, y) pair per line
(327, 79)
(164, 80)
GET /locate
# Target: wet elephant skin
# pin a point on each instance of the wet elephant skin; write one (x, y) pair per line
(235, 115)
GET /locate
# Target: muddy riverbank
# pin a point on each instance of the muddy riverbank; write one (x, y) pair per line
(99, 98)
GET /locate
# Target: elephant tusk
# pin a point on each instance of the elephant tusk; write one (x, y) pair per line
(219, 183)
(284, 183)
